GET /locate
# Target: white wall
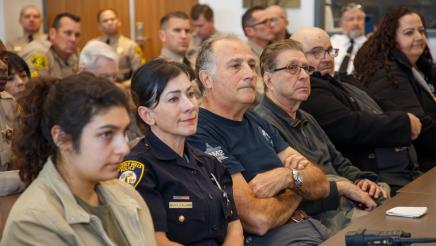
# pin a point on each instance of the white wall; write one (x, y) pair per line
(9, 14)
(2, 21)
(228, 15)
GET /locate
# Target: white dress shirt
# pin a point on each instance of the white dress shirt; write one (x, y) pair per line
(342, 42)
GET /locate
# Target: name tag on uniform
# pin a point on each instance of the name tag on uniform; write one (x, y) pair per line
(186, 198)
(180, 204)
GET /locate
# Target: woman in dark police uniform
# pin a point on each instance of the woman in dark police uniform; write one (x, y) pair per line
(188, 192)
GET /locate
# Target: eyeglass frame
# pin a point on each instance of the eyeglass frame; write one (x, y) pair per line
(324, 52)
(273, 20)
(287, 68)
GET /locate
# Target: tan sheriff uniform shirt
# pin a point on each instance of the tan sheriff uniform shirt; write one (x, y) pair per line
(172, 56)
(8, 114)
(129, 53)
(18, 44)
(44, 61)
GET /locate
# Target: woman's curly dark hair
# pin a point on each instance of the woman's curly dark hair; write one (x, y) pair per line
(70, 103)
(376, 53)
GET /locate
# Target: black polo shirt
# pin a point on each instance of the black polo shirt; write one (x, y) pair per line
(184, 199)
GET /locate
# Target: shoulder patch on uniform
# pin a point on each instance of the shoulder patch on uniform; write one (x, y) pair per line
(131, 172)
(138, 52)
(39, 61)
(34, 74)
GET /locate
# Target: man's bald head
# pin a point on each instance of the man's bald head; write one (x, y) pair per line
(309, 36)
(317, 47)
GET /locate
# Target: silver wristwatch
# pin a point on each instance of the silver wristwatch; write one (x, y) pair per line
(298, 179)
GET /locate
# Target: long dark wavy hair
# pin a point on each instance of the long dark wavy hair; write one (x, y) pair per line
(69, 103)
(376, 53)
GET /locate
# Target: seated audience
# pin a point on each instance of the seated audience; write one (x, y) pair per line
(189, 192)
(396, 64)
(372, 139)
(18, 75)
(68, 150)
(270, 178)
(287, 84)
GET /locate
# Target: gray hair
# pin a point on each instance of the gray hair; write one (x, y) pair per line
(94, 50)
(206, 56)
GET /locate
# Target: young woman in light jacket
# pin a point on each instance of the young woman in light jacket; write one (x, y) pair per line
(68, 148)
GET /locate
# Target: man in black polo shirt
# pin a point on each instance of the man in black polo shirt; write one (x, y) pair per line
(270, 179)
(286, 75)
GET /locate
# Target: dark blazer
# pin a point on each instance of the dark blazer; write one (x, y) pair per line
(406, 95)
(356, 133)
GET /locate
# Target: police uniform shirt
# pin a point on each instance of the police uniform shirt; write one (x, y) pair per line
(249, 147)
(189, 198)
(44, 61)
(342, 42)
(19, 43)
(172, 56)
(8, 113)
(129, 53)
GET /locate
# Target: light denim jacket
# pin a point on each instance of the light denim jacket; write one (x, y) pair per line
(48, 214)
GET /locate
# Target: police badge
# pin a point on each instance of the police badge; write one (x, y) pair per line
(131, 172)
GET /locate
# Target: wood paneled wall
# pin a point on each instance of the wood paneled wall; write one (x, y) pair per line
(148, 12)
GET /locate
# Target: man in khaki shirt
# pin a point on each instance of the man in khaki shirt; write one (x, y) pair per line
(30, 20)
(57, 57)
(129, 53)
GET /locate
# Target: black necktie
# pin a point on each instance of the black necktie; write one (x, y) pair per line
(108, 41)
(344, 65)
(186, 62)
(30, 38)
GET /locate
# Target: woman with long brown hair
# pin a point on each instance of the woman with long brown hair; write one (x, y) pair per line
(395, 64)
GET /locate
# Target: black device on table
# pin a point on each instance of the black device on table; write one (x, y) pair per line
(365, 237)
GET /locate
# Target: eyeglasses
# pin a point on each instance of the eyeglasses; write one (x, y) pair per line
(295, 69)
(321, 52)
(266, 22)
